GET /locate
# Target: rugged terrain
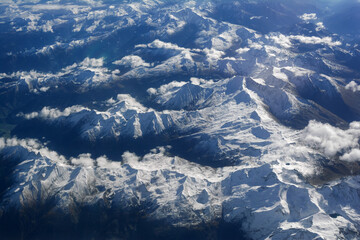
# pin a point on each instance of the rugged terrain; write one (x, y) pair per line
(243, 113)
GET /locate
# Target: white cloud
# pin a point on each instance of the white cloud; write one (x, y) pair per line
(104, 162)
(197, 81)
(53, 113)
(129, 157)
(160, 44)
(132, 61)
(286, 41)
(256, 17)
(242, 50)
(213, 54)
(308, 16)
(353, 86)
(255, 45)
(332, 140)
(282, 40)
(34, 146)
(166, 45)
(166, 88)
(36, 24)
(353, 155)
(320, 26)
(124, 116)
(44, 89)
(83, 160)
(316, 40)
(40, 81)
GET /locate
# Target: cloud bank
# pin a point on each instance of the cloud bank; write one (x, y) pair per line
(36, 147)
(334, 141)
(53, 113)
(287, 41)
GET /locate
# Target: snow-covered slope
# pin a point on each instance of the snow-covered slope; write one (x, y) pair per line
(259, 128)
(267, 194)
(124, 118)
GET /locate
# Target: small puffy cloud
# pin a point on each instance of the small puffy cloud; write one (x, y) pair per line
(104, 162)
(83, 160)
(166, 88)
(53, 113)
(132, 61)
(129, 157)
(197, 81)
(160, 44)
(308, 16)
(116, 72)
(353, 86)
(328, 138)
(332, 140)
(242, 50)
(152, 91)
(320, 26)
(353, 155)
(45, 152)
(28, 115)
(44, 89)
(212, 53)
(282, 40)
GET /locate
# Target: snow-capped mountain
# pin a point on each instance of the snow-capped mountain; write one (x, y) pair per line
(243, 111)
